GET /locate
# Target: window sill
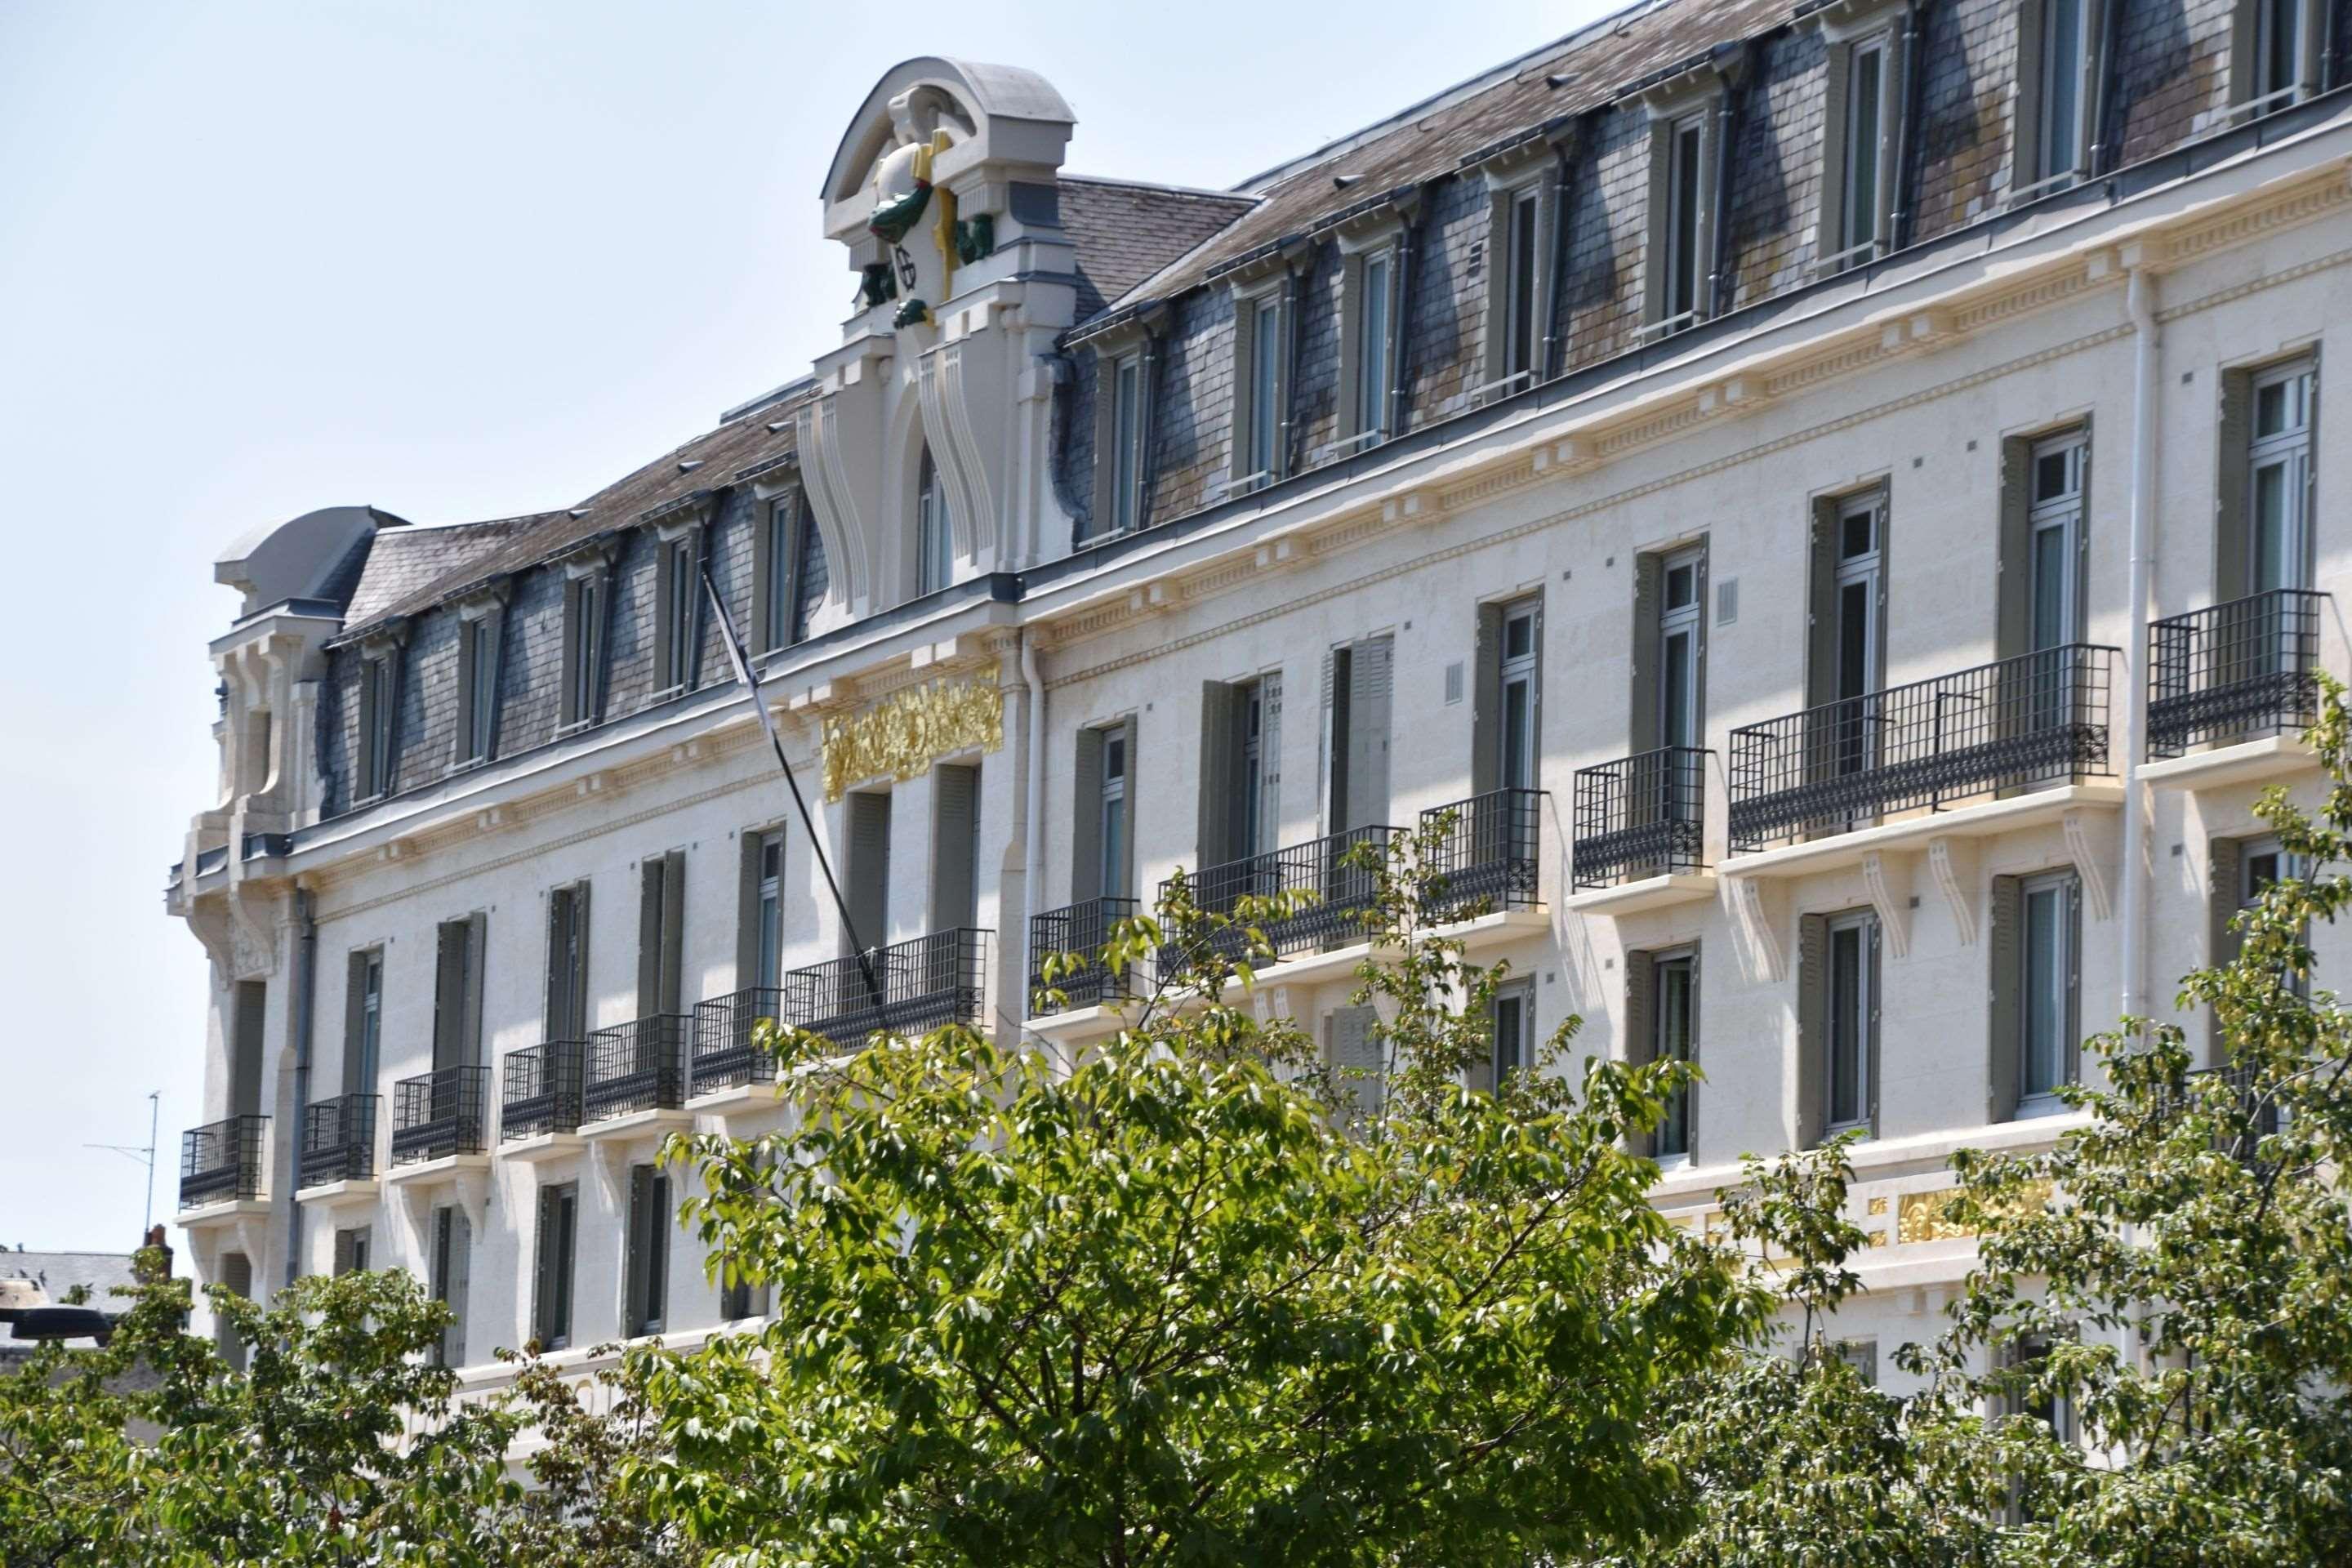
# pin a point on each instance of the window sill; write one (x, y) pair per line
(466, 765)
(577, 727)
(2033, 1107)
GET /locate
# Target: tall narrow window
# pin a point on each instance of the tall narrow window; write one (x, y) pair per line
(379, 722)
(676, 583)
(1101, 843)
(1127, 439)
(477, 686)
(955, 848)
(450, 1271)
(1115, 873)
(2059, 141)
(1240, 776)
(559, 1228)
(768, 890)
(647, 1263)
(583, 649)
(354, 1249)
(776, 618)
(1359, 698)
(1515, 1024)
(1679, 617)
(1675, 985)
(1853, 1023)
(2052, 934)
(1516, 677)
(457, 994)
(661, 936)
(1371, 348)
(363, 1022)
(2055, 553)
(866, 818)
(1265, 388)
(1859, 660)
(1685, 180)
(2279, 463)
(811, 579)
(934, 531)
(567, 962)
(1522, 336)
(2261, 863)
(2279, 40)
(1861, 201)
(741, 1296)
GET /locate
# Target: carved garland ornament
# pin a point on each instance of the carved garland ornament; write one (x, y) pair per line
(904, 734)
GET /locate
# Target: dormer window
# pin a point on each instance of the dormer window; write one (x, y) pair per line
(1261, 384)
(1127, 440)
(934, 531)
(2057, 78)
(1523, 197)
(1368, 306)
(584, 592)
(478, 638)
(2274, 49)
(1685, 177)
(677, 591)
(379, 719)
(1686, 128)
(1860, 112)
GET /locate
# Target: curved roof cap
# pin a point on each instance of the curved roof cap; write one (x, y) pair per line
(994, 93)
(298, 559)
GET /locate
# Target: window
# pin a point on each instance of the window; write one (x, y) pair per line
(866, 865)
(2278, 541)
(1522, 261)
(1508, 711)
(955, 848)
(661, 936)
(1672, 589)
(362, 1021)
(1127, 436)
(1101, 864)
(647, 1264)
(2056, 40)
(236, 1277)
(1860, 199)
(2054, 551)
(1261, 388)
(759, 960)
(1861, 1356)
(1513, 1042)
(379, 722)
(741, 1296)
(1367, 381)
(1241, 769)
(934, 531)
(1837, 1023)
(2037, 965)
(1680, 186)
(475, 685)
(1845, 662)
(2243, 871)
(2274, 53)
(676, 593)
(811, 579)
(1674, 982)
(567, 962)
(1358, 1058)
(788, 574)
(1357, 683)
(449, 1276)
(353, 1247)
(559, 1225)
(583, 648)
(457, 993)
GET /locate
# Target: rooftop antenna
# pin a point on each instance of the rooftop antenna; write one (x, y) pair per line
(145, 1156)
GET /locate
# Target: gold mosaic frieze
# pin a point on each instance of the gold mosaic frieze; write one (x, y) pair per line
(906, 732)
(1926, 1216)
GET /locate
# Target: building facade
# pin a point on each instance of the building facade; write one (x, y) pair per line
(1826, 497)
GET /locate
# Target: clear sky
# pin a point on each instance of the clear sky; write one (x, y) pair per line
(455, 261)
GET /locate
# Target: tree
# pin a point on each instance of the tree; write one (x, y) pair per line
(1194, 1297)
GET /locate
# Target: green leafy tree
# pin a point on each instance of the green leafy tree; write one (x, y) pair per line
(1193, 1298)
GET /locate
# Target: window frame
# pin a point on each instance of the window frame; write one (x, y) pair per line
(1866, 924)
(1518, 690)
(1865, 31)
(379, 721)
(553, 1319)
(587, 613)
(2064, 886)
(1676, 192)
(934, 528)
(2255, 88)
(2294, 448)
(1685, 961)
(2045, 157)
(1263, 308)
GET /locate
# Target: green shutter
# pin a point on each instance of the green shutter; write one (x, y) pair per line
(1220, 773)
(1640, 1032)
(2006, 940)
(1691, 1095)
(1486, 700)
(1649, 595)
(1086, 818)
(1812, 1029)
(751, 844)
(354, 1023)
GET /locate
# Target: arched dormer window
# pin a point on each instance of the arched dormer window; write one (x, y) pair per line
(934, 531)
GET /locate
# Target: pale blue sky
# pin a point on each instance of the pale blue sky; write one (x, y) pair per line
(456, 261)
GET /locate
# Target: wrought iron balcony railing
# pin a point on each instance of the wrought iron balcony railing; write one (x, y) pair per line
(2034, 721)
(1641, 816)
(440, 1113)
(907, 988)
(222, 1162)
(1333, 917)
(2233, 672)
(1080, 929)
(542, 1090)
(637, 1066)
(338, 1139)
(726, 1053)
(1484, 861)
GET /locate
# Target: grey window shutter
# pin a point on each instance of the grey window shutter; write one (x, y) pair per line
(478, 948)
(2231, 501)
(869, 870)
(2008, 944)
(1691, 1095)
(2013, 623)
(1820, 638)
(1877, 1006)
(1356, 1050)
(1370, 684)
(1270, 755)
(1351, 364)
(365, 785)
(763, 633)
(955, 794)
(1244, 418)
(1487, 701)
(1086, 818)
(575, 628)
(2225, 861)
(1338, 693)
(470, 648)
(1698, 643)
(666, 673)
(1640, 1032)
(650, 936)
(458, 1290)
(449, 996)
(343, 1251)
(673, 950)
(543, 1276)
(747, 908)
(355, 1024)
(639, 1273)
(559, 916)
(1812, 1028)
(1648, 588)
(1219, 770)
(1832, 234)
(1134, 779)
(583, 928)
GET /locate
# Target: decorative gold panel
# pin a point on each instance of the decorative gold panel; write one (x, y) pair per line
(1923, 1214)
(906, 732)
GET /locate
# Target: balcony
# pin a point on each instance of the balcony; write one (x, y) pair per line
(1332, 918)
(907, 988)
(222, 1163)
(727, 1056)
(1485, 861)
(2231, 688)
(1638, 838)
(541, 1092)
(1080, 929)
(635, 1067)
(440, 1114)
(1970, 743)
(338, 1140)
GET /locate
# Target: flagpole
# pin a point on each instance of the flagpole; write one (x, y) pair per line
(768, 723)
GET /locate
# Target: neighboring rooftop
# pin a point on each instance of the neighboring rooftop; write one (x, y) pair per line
(1127, 229)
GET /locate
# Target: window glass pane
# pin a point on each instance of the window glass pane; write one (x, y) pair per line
(1265, 359)
(1510, 1027)
(1682, 298)
(1518, 636)
(1854, 613)
(1857, 533)
(1520, 357)
(1123, 464)
(2045, 996)
(2051, 609)
(2270, 530)
(1677, 682)
(1861, 149)
(1848, 1022)
(1518, 761)
(1371, 348)
(2271, 409)
(2062, 87)
(1673, 1045)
